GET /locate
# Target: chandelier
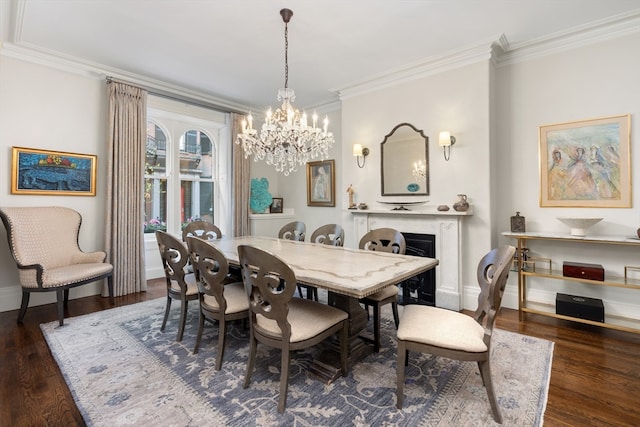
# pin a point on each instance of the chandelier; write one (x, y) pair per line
(286, 138)
(419, 171)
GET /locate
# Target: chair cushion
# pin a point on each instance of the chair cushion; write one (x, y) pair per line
(441, 328)
(383, 294)
(307, 319)
(192, 284)
(235, 296)
(66, 275)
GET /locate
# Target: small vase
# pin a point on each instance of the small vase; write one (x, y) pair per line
(461, 205)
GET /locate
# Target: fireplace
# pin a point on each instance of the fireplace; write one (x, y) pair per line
(445, 229)
(420, 289)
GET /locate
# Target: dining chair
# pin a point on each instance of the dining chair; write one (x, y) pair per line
(43, 242)
(328, 234)
(293, 231)
(382, 240)
(278, 320)
(220, 301)
(455, 335)
(202, 229)
(181, 285)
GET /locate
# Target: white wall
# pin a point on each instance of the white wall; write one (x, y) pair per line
(57, 110)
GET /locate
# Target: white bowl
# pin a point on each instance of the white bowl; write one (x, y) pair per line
(579, 225)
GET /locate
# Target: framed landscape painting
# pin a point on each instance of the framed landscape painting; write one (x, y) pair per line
(56, 173)
(586, 163)
(321, 183)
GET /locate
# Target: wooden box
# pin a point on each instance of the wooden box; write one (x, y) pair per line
(583, 271)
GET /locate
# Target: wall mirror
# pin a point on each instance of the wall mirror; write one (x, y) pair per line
(405, 162)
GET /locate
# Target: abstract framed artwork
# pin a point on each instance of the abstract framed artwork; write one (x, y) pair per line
(321, 183)
(56, 173)
(586, 164)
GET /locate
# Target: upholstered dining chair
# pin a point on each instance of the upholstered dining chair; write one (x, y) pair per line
(181, 286)
(44, 244)
(328, 234)
(202, 229)
(455, 335)
(220, 301)
(281, 321)
(383, 240)
(293, 231)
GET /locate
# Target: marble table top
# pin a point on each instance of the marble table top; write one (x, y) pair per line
(352, 272)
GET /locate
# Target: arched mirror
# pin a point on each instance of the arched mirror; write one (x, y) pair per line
(405, 162)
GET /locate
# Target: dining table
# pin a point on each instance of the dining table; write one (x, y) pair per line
(346, 274)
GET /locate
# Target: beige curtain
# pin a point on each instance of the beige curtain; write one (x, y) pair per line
(125, 180)
(241, 181)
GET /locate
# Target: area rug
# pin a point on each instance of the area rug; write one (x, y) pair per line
(122, 370)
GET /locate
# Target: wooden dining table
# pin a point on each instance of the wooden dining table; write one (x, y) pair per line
(347, 274)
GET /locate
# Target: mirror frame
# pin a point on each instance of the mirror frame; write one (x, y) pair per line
(387, 137)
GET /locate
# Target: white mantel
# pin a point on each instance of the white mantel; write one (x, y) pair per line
(446, 226)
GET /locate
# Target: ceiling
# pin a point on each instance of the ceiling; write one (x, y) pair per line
(234, 49)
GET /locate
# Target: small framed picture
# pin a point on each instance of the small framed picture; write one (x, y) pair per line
(276, 205)
(321, 183)
(57, 173)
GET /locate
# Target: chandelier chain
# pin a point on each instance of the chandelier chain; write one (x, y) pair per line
(286, 55)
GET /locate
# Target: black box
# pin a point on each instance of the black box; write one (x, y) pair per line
(580, 307)
(582, 270)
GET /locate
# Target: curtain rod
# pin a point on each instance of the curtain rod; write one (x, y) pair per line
(177, 97)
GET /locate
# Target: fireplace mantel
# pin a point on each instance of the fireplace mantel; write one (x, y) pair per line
(446, 226)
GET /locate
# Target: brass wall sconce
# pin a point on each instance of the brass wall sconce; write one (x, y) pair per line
(446, 140)
(360, 152)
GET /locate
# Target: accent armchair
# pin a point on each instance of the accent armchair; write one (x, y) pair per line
(44, 244)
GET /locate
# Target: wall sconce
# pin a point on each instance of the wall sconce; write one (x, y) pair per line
(446, 140)
(361, 153)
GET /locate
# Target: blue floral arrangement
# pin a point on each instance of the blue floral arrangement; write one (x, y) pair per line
(260, 197)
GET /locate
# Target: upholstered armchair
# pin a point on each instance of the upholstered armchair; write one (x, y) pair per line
(44, 244)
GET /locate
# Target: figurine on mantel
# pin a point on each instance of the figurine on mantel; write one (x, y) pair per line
(350, 192)
(462, 205)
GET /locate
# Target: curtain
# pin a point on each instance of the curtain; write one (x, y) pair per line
(241, 181)
(125, 186)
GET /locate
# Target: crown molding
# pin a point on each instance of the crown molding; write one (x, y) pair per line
(576, 37)
(477, 52)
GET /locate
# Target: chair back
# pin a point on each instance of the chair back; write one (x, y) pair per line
(270, 284)
(175, 257)
(203, 229)
(212, 268)
(384, 240)
(329, 234)
(46, 236)
(493, 271)
(293, 231)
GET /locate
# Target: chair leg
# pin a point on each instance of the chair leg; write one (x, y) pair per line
(400, 368)
(110, 287)
(284, 379)
(222, 332)
(60, 294)
(251, 361)
(66, 298)
(23, 305)
(166, 313)
(183, 319)
(485, 370)
(199, 335)
(394, 309)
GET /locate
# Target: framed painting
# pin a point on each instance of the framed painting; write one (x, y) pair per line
(56, 173)
(321, 183)
(586, 164)
(276, 205)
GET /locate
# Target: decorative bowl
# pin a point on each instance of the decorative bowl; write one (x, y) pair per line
(579, 225)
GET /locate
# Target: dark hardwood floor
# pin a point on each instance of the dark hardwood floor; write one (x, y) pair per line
(595, 378)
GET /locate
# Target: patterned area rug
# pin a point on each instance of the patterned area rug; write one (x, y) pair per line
(123, 371)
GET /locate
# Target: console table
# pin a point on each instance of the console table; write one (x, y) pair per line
(547, 272)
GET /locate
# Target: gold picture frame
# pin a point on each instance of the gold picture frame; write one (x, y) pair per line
(321, 183)
(586, 163)
(56, 173)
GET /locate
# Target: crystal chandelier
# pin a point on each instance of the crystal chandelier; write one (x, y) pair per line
(419, 171)
(286, 138)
